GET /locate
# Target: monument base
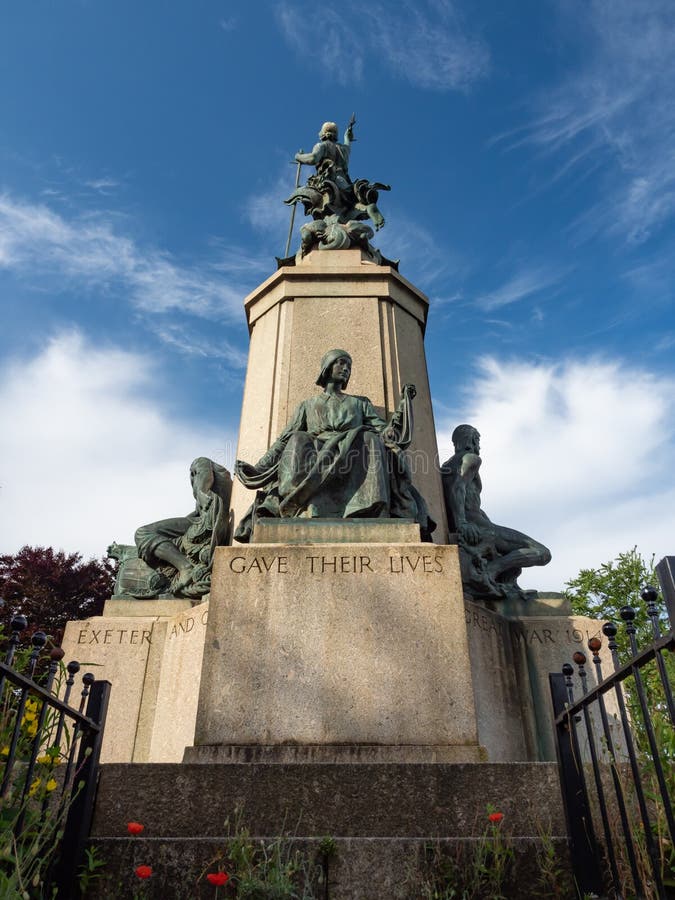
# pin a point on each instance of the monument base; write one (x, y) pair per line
(332, 652)
(337, 645)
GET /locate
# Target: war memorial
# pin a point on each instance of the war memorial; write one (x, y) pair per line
(333, 641)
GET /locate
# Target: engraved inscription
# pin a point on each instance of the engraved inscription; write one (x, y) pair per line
(114, 636)
(336, 564)
(185, 626)
(260, 564)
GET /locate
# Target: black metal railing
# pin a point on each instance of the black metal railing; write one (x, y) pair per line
(50, 758)
(616, 757)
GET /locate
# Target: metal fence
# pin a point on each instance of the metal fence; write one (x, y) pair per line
(617, 769)
(50, 758)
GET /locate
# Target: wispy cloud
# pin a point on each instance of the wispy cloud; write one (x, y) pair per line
(423, 259)
(526, 283)
(616, 109)
(91, 250)
(265, 210)
(326, 35)
(192, 344)
(427, 43)
(103, 185)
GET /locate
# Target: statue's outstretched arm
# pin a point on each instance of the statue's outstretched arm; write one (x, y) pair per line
(264, 471)
(310, 159)
(349, 131)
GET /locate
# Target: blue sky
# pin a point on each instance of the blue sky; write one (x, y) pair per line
(144, 155)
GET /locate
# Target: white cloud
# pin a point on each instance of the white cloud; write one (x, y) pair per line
(578, 454)
(616, 109)
(88, 453)
(425, 43)
(36, 241)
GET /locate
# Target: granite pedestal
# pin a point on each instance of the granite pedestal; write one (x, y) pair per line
(336, 651)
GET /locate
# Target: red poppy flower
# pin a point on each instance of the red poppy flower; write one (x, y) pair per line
(144, 871)
(218, 878)
(135, 827)
(496, 817)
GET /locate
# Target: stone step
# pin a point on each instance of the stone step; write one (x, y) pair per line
(392, 824)
(361, 869)
(377, 800)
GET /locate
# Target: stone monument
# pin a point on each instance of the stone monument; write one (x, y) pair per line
(341, 620)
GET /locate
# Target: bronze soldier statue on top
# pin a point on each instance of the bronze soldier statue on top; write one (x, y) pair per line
(339, 206)
(491, 556)
(337, 458)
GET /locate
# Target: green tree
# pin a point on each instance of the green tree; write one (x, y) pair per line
(51, 587)
(600, 593)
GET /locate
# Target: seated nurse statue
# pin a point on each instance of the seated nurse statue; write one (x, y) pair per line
(337, 458)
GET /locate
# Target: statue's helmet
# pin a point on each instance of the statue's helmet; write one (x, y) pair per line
(328, 130)
(327, 364)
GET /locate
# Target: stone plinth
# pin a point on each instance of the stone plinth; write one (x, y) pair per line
(337, 299)
(153, 663)
(120, 606)
(336, 531)
(511, 659)
(337, 644)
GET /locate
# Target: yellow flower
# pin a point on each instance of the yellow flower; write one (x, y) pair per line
(31, 731)
(34, 787)
(51, 784)
(4, 751)
(48, 759)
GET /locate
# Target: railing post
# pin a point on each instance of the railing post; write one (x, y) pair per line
(80, 814)
(586, 862)
(665, 572)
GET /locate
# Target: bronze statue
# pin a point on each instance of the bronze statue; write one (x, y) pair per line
(179, 551)
(491, 556)
(339, 206)
(336, 458)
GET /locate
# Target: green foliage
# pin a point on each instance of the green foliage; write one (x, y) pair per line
(551, 880)
(32, 815)
(271, 870)
(483, 869)
(600, 593)
(90, 871)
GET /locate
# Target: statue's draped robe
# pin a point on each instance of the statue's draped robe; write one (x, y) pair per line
(336, 458)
